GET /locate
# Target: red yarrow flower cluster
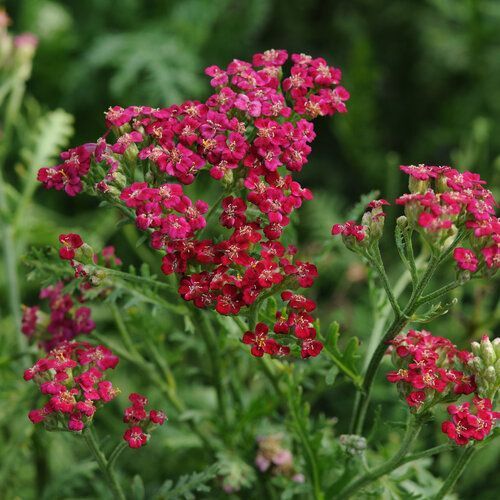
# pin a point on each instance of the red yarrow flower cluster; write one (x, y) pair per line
(466, 424)
(73, 377)
(428, 369)
(252, 134)
(140, 421)
(444, 200)
(63, 322)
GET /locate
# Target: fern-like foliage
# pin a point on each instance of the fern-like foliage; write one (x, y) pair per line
(187, 485)
(46, 139)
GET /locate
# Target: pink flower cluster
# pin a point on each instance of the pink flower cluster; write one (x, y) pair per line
(273, 457)
(251, 135)
(64, 322)
(442, 199)
(429, 374)
(73, 377)
(428, 369)
(466, 425)
(140, 421)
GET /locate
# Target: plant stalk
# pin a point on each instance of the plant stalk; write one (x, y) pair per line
(456, 472)
(393, 463)
(107, 471)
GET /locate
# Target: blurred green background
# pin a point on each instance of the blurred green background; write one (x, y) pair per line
(424, 78)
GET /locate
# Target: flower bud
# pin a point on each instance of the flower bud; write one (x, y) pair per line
(485, 366)
(25, 45)
(374, 220)
(417, 186)
(487, 351)
(228, 177)
(353, 444)
(496, 347)
(85, 254)
(475, 347)
(490, 374)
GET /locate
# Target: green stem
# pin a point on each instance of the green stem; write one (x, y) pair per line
(393, 463)
(117, 451)
(377, 262)
(361, 404)
(122, 329)
(438, 293)
(398, 323)
(427, 453)
(107, 471)
(456, 472)
(310, 456)
(407, 235)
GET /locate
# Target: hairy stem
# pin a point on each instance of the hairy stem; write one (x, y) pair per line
(103, 463)
(394, 329)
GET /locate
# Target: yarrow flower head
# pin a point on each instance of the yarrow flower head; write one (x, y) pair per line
(140, 421)
(430, 370)
(252, 134)
(73, 378)
(470, 425)
(63, 322)
(442, 202)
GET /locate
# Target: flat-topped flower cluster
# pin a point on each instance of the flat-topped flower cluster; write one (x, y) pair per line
(442, 201)
(252, 134)
(73, 377)
(432, 370)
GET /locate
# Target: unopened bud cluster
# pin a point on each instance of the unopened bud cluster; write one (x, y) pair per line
(485, 365)
(353, 444)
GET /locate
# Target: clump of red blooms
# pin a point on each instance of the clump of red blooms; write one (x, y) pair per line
(466, 425)
(63, 322)
(140, 421)
(251, 135)
(432, 370)
(72, 376)
(441, 202)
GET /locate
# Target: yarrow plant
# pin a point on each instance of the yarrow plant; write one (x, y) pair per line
(251, 135)
(227, 262)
